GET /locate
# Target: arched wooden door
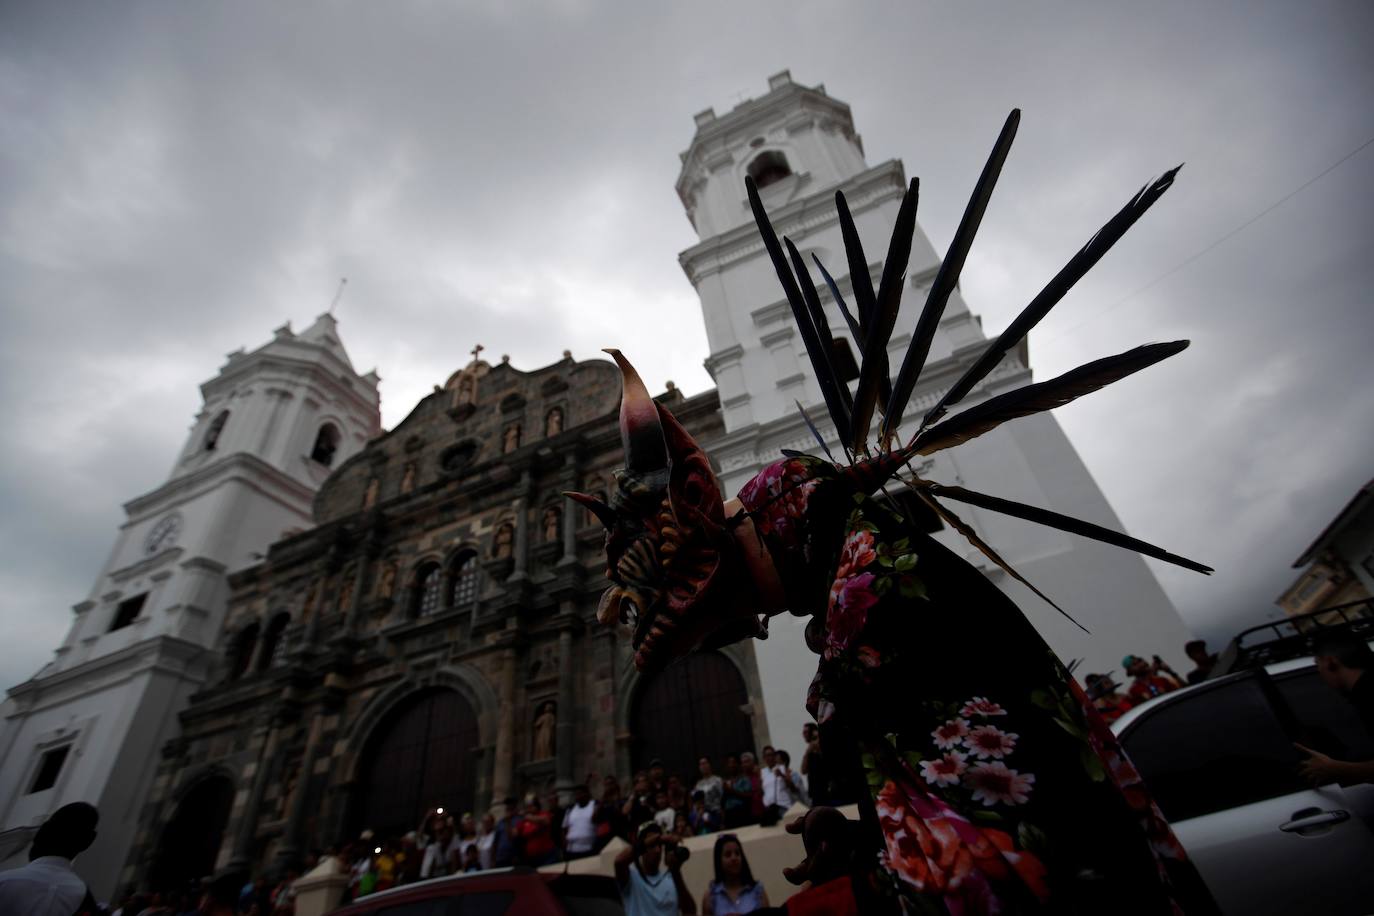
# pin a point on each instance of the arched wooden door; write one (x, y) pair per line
(696, 706)
(191, 841)
(421, 758)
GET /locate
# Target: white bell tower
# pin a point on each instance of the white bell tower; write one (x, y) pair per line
(91, 724)
(800, 146)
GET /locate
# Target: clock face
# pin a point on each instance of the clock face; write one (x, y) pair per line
(163, 535)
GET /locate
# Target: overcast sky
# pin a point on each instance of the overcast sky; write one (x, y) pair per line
(176, 180)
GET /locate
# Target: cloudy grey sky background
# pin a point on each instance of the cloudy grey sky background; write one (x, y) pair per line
(176, 180)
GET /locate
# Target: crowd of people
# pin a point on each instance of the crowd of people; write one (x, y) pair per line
(1149, 679)
(746, 790)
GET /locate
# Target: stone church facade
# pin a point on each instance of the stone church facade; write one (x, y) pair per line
(432, 640)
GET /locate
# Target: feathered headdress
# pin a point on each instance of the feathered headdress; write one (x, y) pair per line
(875, 314)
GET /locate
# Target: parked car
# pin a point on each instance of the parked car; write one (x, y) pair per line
(1220, 760)
(497, 892)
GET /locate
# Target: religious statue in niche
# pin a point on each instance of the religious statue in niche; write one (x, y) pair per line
(408, 478)
(370, 494)
(553, 422)
(346, 592)
(308, 605)
(552, 517)
(467, 389)
(511, 439)
(503, 543)
(386, 586)
(544, 725)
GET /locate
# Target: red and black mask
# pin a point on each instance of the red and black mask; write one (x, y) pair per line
(669, 549)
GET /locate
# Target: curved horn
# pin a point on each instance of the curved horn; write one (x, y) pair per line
(641, 434)
(595, 506)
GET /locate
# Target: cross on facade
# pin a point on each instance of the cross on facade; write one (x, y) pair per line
(476, 350)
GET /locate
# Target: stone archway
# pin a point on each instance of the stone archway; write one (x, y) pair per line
(698, 705)
(190, 843)
(420, 755)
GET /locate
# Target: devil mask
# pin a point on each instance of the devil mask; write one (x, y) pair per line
(677, 581)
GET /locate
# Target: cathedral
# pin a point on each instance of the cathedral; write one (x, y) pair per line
(317, 627)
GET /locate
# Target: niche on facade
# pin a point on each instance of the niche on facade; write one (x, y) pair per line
(553, 422)
(457, 457)
(510, 438)
(503, 542)
(543, 731)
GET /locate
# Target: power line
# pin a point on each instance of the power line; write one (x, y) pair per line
(1191, 258)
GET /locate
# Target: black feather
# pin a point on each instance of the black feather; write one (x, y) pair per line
(859, 280)
(1071, 273)
(854, 328)
(813, 305)
(815, 432)
(985, 548)
(1041, 396)
(820, 361)
(874, 367)
(1064, 523)
(947, 277)
(884, 386)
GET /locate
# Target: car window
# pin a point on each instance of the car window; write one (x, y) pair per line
(437, 906)
(487, 903)
(1218, 746)
(1327, 721)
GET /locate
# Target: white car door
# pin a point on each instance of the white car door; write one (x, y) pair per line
(1220, 761)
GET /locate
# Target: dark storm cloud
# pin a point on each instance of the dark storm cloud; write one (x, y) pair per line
(176, 182)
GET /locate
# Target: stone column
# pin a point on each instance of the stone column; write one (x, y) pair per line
(242, 859)
(522, 533)
(564, 779)
(503, 770)
(570, 510)
(289, 849)
(365, 559)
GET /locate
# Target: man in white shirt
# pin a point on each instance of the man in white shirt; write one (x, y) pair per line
(579, 831)
(788, 784)
(48, 886)
(770, 787)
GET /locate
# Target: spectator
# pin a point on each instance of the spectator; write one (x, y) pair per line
(664, 813)
(1342, 662)
(579, 825)
(711, 786)
(750, 771)
(408, 860)
(219, 896)
(610, 818)
(677, 794)
(769, 779)
(701, 818)
(284, 897)
(682, 826)
(507, 847)
(736, 788)
(48, 885)
(486, 841)
(639, 807)
(1147, 681)
(438, 858)
(656, 778)
(639, 870)
(1197, 651)
(1106, 697)
(789, 786)
(536, 835)
(465, 840)
(813, 766)
(734, 889)
(472, 860)
(386, 863)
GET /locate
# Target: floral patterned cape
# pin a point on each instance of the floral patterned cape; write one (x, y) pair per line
(997, 787)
